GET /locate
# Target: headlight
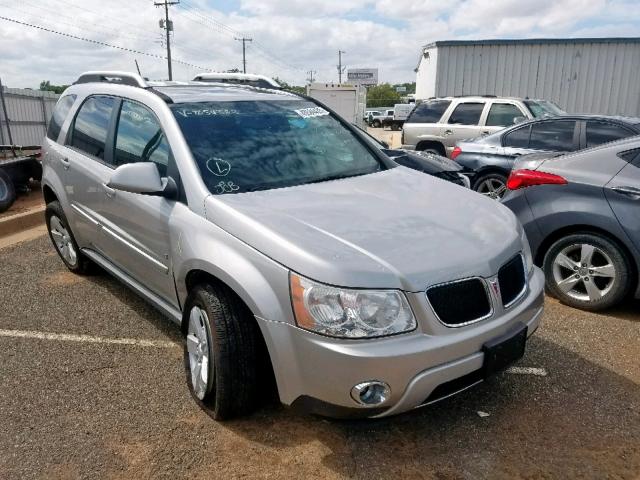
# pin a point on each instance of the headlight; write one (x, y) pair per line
(341, 312)
(526, 251)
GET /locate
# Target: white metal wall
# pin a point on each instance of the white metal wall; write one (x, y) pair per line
(29, 112)
(590, 77)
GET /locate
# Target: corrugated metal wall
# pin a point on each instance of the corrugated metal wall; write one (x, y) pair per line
(593, 77)
(29, 112)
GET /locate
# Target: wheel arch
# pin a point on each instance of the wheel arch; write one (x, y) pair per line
(49, 194)
(424, 144)
(557, 234)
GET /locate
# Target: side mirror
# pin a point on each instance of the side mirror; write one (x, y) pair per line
(518, 119)
(142, 178)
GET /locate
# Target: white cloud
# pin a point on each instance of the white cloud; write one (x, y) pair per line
(290, 36)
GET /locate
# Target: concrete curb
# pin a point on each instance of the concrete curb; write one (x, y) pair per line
(19, 222)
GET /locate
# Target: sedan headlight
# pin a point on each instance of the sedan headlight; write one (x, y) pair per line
(341, 312)
(526, 251)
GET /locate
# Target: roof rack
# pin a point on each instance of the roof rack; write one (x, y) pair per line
(119, 78)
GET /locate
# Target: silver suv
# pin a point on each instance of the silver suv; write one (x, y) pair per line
(436, 125)
(286, 246)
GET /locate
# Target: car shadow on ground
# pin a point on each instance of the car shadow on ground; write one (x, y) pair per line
(579, 421)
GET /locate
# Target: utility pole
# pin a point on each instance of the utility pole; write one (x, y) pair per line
(244, 55)
(311, 74)
(340, 67)
(168, 27)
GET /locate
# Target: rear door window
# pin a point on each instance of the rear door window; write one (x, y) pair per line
(502, 115)
(518, 138)
(59, 116)
(91, 126)
(467, 114)
(554, 136)
(602, 132)
(140, 138)
(429, 112)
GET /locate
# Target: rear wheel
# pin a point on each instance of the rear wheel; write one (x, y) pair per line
(492, 185)
(222, 353)
(376, 124)
(587, 271)
(63, 240)
(7, 191)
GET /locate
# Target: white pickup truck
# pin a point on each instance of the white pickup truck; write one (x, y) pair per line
(395, 118)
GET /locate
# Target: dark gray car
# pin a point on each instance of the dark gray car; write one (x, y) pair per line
(581, 215)
(488, 160)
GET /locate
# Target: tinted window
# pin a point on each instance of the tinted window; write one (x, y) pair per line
(467, 114)
(600, 132)
(630, 155)
(552, 136)
(518, 138)
(502, 115)
(428, 112)
(92, 125)
(244, 146)
(139, 138)
(59, 115)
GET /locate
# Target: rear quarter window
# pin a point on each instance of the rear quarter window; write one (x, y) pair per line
(428, 112)
(59, 115)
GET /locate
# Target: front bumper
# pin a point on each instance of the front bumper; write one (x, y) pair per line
(317, 373)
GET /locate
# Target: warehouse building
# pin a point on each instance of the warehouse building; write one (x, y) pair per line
(586, 75)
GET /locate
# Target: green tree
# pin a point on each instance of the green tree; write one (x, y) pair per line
(383, 95)
(46, 86)
(291, 88)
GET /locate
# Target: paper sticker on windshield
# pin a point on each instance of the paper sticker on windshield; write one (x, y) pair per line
(312, 112)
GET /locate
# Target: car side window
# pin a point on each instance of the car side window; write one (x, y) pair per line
(518, 138)
(601, 132)
(91, 126)
(428, 112)
(502, 115)
(466, 114)
(631, 156)
(555, 136)
(140, 138)
(59, 115)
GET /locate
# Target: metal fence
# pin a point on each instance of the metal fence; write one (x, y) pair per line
(27, 115)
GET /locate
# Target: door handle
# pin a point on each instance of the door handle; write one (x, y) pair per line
(448, 132)
(65, 163)
(629, 191)
(109, 192)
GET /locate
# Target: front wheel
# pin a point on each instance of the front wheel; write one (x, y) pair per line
(377, 124)
(221, 352)
(492, 185)
(587, 271)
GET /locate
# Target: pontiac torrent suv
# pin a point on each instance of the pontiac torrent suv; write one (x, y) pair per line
(286, 246)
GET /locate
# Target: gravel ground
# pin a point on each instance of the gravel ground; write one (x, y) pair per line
(93, 410)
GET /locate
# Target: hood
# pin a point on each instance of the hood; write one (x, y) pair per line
(394, 229)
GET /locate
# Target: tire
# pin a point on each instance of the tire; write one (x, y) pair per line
(7, 191)
(236, 375)
(602, 271)
(376, 124)
(492, 185)
(63, 240)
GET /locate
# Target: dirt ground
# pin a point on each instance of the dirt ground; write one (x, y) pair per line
(25, 201)
(74, 404)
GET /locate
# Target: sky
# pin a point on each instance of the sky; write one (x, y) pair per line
(290, 37)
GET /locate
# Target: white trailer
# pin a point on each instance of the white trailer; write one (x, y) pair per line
(348, 101)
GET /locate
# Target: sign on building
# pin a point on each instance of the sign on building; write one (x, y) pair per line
(363, 76)
(401, 89)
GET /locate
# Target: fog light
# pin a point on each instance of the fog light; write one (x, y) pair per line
(371, 393)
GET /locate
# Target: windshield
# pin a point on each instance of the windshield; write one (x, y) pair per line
(258, 145)
(543, 108)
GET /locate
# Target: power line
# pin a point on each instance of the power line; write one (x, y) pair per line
(97, 42)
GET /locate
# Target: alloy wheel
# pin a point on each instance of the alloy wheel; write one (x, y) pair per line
(198, 347)
(493, 188)
(62, 240)
(584, 272)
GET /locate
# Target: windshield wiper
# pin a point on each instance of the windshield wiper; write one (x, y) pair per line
(337, 177)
